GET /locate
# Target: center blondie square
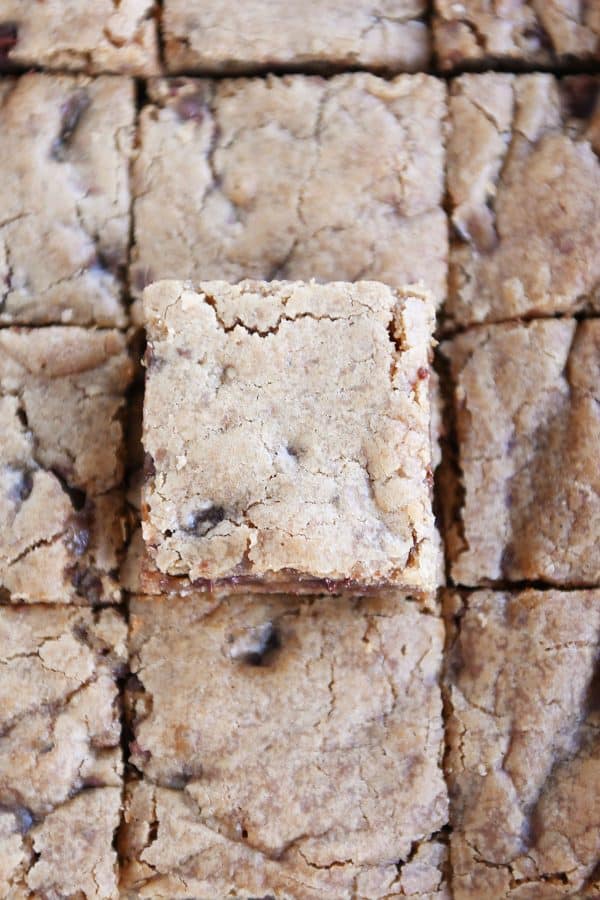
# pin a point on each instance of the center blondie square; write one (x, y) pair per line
(287, 433)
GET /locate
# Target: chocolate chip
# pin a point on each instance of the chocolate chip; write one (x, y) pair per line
(580, 95)
(24, 817)
(20, 483)
(92, 782)
(142, 277)
(478, 228)
(538, 35)
(149, 467)
(111, 260)
(151, 360)
(179, 780)
(79, 533)
(254, 645)
(191, 107)
(9, 35)
(87, 584)
(204, 520)
(81, 632)
(71, 114)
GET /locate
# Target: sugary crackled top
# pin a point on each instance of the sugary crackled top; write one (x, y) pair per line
(302, 746)
(103, 36)
(60, 758)
(524, 745)
(287, 426)
(65, 143)
(61, 392)
(524, 187)
(528, 424)
(533, 31)
(281, 178)
(332, 32)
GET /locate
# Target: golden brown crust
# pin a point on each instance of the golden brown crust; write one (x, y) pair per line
(524, 189)
(203, 35)
(62, 391)
(102, 36)
(60, 759)
(298, 756)
(280, 178)
(530, 32)
(65, 145)
(524, 754)
(526, 399)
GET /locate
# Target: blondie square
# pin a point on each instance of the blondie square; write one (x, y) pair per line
(103, 36)
(65, 147)
(524, 191)
(526, 32)
(212, 36)
(292, 178)
(527, 405)
(299, 755)
(523, 764)
(287, 433)
(60, 758)
(61, 397)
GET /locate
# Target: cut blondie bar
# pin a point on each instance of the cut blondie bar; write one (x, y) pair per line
(287, 427)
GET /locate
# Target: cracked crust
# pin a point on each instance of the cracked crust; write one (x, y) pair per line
(61, 397)
(104, 36)
(65, 144)
(388, 35)
(60, 758)
(280, 178)
(532, 32)
(527, 408)
(523, 765)
(299, 755)
(323, 473)
(524, 189)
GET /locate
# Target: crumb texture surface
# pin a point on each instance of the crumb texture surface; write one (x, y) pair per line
(281, 178)
(524, 191)
(60, 758)
(388, 34)
(534, 32)
(287, 428)
(528, 426)
(61, 395)
(103, 36)
(524, 737)
(65, 145)
(300, 758)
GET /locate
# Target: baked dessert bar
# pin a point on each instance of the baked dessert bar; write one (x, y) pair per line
(286, 427)
(60, 759)
(515, 32)
(202, 35)
(65, 146)
(526, 399)
(102, 36)
(292, 178)
(523, 765)
(299, 756)
(524, 192)
(62, 392)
